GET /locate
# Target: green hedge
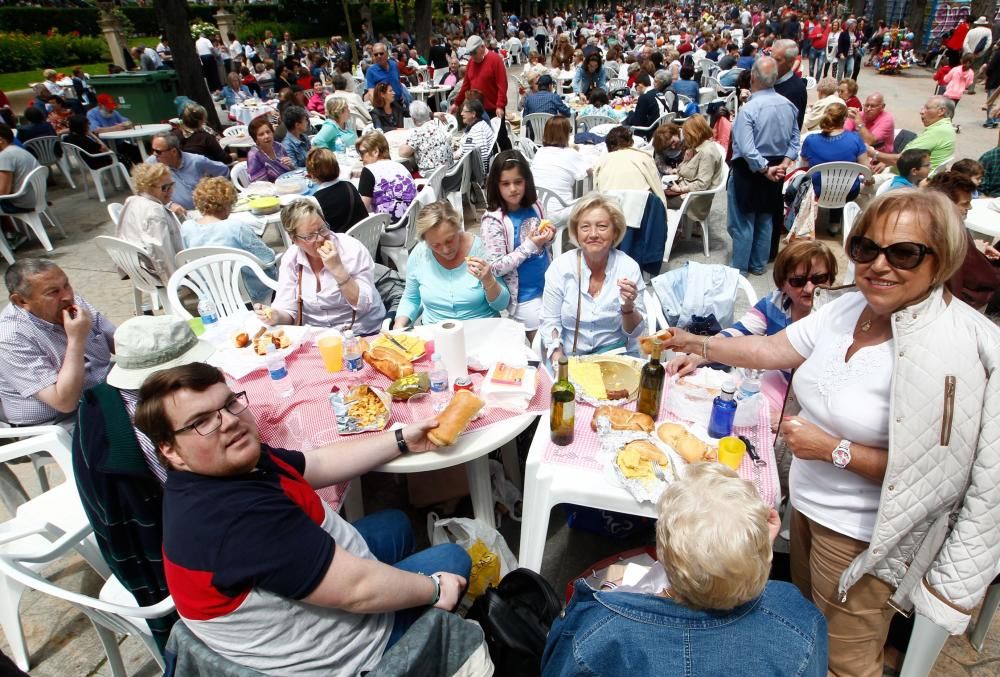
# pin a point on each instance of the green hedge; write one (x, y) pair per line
(20, 52)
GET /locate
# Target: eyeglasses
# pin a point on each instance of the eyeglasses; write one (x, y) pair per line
(799, 281)
(167, 186)
(211, 421)
(311, 237)
(160, 151)
(378, 53)
(900, 255)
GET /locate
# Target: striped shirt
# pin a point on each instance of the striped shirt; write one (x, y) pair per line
(769, 316)
(31, 355)
(131, 400)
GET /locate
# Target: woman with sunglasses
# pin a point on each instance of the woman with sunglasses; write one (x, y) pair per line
(800, 268)
(146, 221)
(325, 279)
(895, 480)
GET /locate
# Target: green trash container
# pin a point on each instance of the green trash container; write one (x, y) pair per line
(143, 97)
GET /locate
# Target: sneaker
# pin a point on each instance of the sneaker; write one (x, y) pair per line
(758, 272)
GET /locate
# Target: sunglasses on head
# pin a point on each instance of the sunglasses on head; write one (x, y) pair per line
(818, 279)
(900, 255)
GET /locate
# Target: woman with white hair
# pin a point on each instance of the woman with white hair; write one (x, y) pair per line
(707, 591)
(428, 144)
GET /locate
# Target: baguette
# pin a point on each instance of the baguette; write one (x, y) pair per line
(392, 363)
(622, 419)
(455, 418)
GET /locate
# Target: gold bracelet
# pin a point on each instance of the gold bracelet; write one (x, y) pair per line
(704, 347)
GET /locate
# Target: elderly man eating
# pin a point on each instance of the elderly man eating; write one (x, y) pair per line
(874, 123)
(262, 570)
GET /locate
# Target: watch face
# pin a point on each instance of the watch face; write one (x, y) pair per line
(841, 457)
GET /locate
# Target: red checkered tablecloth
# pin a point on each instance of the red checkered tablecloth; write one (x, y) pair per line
(584, 452)
(306, 421)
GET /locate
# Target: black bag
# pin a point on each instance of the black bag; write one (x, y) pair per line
(516, 616)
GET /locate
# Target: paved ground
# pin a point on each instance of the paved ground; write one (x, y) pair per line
(61, 641)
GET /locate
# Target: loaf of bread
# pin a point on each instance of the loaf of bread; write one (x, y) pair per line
(462, 408)
(392, 363)
(684, 443)
(623, 419)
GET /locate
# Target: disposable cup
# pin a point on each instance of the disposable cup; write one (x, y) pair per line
(731, 451)
(331, 349)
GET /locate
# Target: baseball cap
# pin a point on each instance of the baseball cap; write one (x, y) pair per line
(106, 101)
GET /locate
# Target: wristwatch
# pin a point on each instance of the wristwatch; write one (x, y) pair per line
(842, 454)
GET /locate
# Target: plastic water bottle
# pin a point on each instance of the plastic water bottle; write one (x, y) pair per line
(723, 412)
(280, 380)
(338, 145)
(352, 353)
(750, 385)
(207, 312)
(439, 384)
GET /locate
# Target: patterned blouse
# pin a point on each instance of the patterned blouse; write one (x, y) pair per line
(389, 186)
(263, 168)
(431, 146)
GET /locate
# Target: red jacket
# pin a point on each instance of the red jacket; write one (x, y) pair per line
(488, 77)
(957, 39)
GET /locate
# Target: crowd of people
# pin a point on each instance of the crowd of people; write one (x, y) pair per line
(895, 376)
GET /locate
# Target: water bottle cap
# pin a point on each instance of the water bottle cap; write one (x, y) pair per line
(729, 387)
(270, 348)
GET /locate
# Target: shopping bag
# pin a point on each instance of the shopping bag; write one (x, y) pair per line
(491, 558)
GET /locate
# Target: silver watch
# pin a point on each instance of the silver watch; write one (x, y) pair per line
(842, 454)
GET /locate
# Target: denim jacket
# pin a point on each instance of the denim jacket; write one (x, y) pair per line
(630, 634)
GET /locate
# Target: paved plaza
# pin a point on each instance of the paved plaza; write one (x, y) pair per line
(61, 640)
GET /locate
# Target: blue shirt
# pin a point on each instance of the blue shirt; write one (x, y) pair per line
(819, 148)
(629, 633)
(193, 168)
(766, 126)
(98, 120)
(531, 273)
(745, 62)
(297, 148)
(376, 74)
(234, 233)
(545, 101)
(688, 88)
(233, 96)
(900, 182)
(447, 294)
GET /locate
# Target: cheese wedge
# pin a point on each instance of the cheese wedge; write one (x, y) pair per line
(588, 376)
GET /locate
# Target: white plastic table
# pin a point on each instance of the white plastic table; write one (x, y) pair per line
(137, 132)
(983, 218)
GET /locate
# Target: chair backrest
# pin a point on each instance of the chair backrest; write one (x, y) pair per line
(617, 83)
(810, 82)
(38, 178)
(611, 74)
(115, 212)
(44, 149)
(368, 231)
(536, 121)
(713, 82)
(852, 210)
(525, 146)
(884, 188)
(215, 277)
(194, 253)
(837, 180)
(550, 200)
(52, 439)
(132, 260)
(588, 122)
(240, 176)
(235, 130)
(943, 167)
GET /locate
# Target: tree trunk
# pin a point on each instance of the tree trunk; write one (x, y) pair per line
(859, 8)
(422, 25)
(982, 8)
(350, 33)
(173, 19)
(915, 21)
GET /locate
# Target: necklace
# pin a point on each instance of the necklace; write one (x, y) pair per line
(866, 325)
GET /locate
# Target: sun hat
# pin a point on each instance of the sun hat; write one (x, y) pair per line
(474, 43)
(106, 101)
(150, 343)
(981, 21)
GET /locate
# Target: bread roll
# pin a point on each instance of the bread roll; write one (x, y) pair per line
(648, 451)
(646, 342)
(455, 418)
(671, 432)
(392, 363)
(623, 419)
(691, 448)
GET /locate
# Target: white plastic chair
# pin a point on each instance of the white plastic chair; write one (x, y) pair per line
(643, 131)
(535, 121)
(557, 210)
(134, 262)
(810, 82)
(851, 212)
(116, 170)
(35, 182)
(55, 514)
(240, 176)
(44, 149)
(617, 83)
(676, 217)
(525, 147)
(943, 167)
(837, 179)
(462, 168)
(235, 130)
(587, 122)
(116, 611)
(195, 253)
(6, 251)
(394, 252)
(986, 613)
(218, 278)
(368, 231)
(115, 212)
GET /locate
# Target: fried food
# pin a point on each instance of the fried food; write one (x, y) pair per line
(635, 460)
(277, 337)
(366, 407)
(242, 340)
(623, 419)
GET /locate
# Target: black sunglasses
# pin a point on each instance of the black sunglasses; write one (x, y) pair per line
(818, 279)
(900, 255)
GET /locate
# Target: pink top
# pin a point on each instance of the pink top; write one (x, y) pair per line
(324, 305)
(957, 81)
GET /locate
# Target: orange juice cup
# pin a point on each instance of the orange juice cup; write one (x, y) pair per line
(331, 349)
(731, 451)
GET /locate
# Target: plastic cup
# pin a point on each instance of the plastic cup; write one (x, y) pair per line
(731, 451)
(331, 349)
(197, 326)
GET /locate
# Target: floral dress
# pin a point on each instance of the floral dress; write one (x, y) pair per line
(431, 146)
(389, 186)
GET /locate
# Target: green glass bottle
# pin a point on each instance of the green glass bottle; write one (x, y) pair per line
(562, 414)
(651, 384)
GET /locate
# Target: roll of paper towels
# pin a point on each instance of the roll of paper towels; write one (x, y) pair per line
(449, 343)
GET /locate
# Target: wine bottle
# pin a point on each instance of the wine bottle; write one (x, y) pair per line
(651, 383)
(562, 415)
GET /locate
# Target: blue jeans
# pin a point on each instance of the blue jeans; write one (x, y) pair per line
(751, 234)
(845, 67)
(389, 536)
(818, 61)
